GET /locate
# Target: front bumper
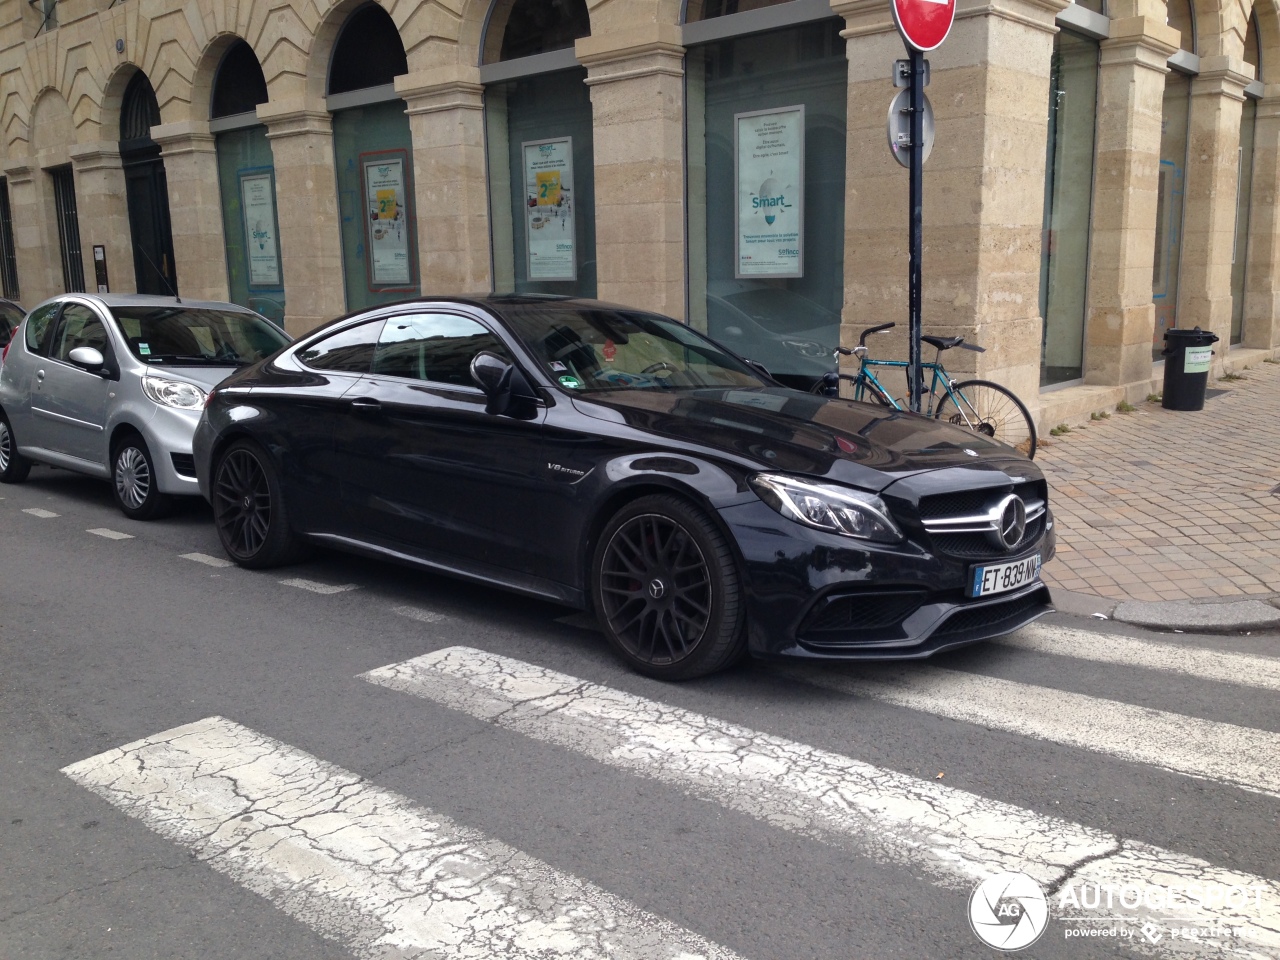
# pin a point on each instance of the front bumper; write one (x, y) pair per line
(168, 435)
(820, 596)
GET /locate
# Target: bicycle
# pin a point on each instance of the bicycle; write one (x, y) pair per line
(982, 406)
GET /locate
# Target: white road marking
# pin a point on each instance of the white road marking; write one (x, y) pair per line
(315, 587)
(1243, 669)
(110, 534)
(951, 835)
(419, 614)
(362, 865)
(1241, 756)
(42, 514)
(207, 560)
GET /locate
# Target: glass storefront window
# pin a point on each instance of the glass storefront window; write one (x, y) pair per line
(1064, 258)
(1169, 202)
(1244, 193)
(542, 184)
(777, 303)
(249, 222)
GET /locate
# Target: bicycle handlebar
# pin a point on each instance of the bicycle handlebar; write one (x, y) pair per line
(862, 340)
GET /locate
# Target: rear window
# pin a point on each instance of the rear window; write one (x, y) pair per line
(193, 336)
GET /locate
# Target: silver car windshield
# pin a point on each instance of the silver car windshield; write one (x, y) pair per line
(197, 335)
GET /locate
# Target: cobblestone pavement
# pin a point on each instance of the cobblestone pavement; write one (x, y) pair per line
(1163, 505)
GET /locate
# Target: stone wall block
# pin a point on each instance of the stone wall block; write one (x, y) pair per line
(104, 213)
(195, 209)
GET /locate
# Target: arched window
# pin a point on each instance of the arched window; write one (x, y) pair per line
(369, 52)
(1182, 18)
(238, 84)
(541, 148)
(373, 154)
(139, 111)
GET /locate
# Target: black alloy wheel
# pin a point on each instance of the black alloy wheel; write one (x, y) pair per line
(249, 511)
(14, 467)
(667, 591)
(133, 479)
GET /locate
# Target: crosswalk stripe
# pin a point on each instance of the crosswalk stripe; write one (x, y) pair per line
(314, 586)
(951, 835)
(41, 513)
(1243, 669)
(1237, 755)
(362, 865)
(207, 560)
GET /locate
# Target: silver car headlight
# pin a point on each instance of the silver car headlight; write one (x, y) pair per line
(841, 510)
(173, 393)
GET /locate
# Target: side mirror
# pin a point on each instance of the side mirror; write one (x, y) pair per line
(88, 358)
(505, 387)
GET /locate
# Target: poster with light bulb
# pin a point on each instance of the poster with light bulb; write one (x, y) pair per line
(769, 174)
(262, 249)
(549, 213)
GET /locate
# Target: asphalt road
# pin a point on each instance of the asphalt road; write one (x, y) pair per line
(400, 771)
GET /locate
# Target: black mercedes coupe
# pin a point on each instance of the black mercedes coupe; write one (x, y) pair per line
(618, 461)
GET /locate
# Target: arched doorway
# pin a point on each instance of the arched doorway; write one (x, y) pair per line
(373, 160)
(146, 190)
(246, 180)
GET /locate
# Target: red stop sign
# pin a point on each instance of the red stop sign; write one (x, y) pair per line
(924, 24)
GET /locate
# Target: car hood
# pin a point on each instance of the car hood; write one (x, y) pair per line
(202, 376)
(792, 432)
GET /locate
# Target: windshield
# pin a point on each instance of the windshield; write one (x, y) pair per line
(196, 335)
(589, 350)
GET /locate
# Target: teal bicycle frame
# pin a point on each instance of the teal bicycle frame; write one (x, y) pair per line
(940, 377)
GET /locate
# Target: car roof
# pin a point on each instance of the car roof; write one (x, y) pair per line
(146, 300)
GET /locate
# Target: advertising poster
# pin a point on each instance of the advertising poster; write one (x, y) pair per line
(258, 203)
(769, 172)
(548, 185)
(387, 212)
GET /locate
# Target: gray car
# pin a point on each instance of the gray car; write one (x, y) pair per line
(113, 386)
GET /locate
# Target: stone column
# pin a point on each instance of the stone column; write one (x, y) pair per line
(446, 122)
(1209, 219)
(636, 77)
(1121, 319)
(104, 213)
(35, 230)
(195, 208)
(983, 187)
(1262, 273)
(301, 135)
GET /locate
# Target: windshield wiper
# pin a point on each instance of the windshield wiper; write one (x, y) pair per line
(211, 361)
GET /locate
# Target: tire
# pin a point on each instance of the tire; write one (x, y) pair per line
(667, 590)
(133, 480)
(14, 467)
(991, 410)
(249, 509)
(870, 393)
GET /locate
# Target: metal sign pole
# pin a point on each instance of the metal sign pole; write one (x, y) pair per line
(915, 243)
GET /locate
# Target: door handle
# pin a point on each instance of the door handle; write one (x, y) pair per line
(40, 375)
(365, 405)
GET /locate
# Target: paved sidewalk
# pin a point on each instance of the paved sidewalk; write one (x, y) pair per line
(1158, 505)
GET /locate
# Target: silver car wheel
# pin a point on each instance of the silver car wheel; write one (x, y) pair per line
(6, 446)
(133, 477)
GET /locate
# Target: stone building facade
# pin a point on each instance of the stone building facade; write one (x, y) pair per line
(1101, 172)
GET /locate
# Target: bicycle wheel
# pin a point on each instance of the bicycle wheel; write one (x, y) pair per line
(991, 410)
(868, 392)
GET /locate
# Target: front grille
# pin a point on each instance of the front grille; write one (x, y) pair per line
(184, 464)
(956, 504)
(874, 611)
(991, 616)
(976, 546)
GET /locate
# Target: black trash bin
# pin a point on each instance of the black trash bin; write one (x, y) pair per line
(1187, 355)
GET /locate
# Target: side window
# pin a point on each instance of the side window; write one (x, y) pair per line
(38, 326)
(437, 347)
(350, 350)
(79, 326)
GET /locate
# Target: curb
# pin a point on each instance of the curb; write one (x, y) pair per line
(1190, 616)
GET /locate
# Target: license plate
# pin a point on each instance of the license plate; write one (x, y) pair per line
(999, 577)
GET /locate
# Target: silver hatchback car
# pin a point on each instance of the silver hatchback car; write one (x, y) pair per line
(113, 386)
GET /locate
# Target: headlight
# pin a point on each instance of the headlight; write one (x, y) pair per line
(173, 393)
(851, 513)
